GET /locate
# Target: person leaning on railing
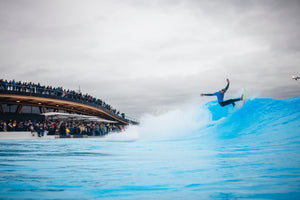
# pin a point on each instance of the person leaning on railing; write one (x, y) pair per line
(1, 84)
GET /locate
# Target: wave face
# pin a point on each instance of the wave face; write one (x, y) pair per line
(267, 117)
(193, 152)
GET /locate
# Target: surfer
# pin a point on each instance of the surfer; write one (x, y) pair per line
(220, 96)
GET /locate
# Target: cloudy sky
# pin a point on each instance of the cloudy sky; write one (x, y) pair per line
(141, 56)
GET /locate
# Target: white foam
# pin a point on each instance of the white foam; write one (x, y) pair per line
(172, 124)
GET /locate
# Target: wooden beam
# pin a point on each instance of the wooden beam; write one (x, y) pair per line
(2, 109)
(18, 108)
(21, 109)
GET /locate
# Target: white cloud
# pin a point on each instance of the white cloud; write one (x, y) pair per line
(144, 54)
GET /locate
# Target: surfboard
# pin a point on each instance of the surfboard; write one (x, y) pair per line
(244, 99)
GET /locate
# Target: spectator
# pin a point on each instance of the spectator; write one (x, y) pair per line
(33, 88)
(4, 127)
(62, 129)
(31, 129)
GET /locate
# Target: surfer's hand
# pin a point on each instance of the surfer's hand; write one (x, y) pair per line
(202, 94)
(227, 80)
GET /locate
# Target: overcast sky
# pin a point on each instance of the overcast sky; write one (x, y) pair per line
(141, 56)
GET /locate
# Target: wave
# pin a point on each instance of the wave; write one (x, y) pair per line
(258, 116)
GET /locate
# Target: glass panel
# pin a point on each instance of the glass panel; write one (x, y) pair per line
(10, 108)
(26, 109)
(35, 110)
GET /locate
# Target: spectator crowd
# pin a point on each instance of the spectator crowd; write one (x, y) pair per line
(61, 128)
(39, 89)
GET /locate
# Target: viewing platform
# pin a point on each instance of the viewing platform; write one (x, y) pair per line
(46, 102)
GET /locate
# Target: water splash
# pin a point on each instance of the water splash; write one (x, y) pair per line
(192, 121)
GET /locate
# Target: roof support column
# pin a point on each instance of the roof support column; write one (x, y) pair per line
(2, 109)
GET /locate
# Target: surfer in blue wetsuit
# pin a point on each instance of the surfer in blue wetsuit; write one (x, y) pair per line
(220, 96)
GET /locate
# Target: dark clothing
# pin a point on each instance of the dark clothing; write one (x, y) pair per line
(62, 129)
(230, 101)
(220, 97)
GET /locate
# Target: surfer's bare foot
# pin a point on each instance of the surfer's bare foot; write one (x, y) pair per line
(242, 97)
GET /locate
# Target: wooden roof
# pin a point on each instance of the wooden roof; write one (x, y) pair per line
(59, 104)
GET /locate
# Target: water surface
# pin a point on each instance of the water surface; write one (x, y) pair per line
(248, 153)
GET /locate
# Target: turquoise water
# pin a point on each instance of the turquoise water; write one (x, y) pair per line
(197, 152)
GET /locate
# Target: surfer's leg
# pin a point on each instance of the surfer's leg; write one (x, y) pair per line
(230, 101)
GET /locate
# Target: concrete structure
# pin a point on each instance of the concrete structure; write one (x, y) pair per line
(23, 135)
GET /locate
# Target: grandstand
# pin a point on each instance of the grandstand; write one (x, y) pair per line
(29, 101)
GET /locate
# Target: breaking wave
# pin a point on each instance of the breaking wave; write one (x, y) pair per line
(258, 116)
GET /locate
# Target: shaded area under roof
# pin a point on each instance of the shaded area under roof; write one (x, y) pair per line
(76, 117)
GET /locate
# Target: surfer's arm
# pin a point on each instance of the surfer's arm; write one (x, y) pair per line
(207, 94)
(227, 86)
